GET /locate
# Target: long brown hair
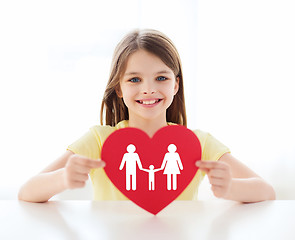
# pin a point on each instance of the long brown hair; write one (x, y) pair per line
(155, 42)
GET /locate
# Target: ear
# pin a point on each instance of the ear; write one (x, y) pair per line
(119, 92)
(176, 87)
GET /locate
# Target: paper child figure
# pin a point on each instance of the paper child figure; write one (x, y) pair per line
(131, 159)
(172, 164)
(151, 172)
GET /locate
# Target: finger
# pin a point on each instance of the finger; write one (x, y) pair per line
(205, 170)
(78, 184)
(217, 173)
(81, 169)
(206, 164)
(91, 163)
(81, 177)
(218, 191)
(217, 182)
(100, 164)
(77, 176)
(210, 164)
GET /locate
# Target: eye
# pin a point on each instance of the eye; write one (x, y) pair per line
(134, 80)
(161, 78)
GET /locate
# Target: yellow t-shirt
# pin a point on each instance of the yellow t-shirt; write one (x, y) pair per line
(90, 146)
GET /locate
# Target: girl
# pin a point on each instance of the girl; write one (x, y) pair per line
(145, 90)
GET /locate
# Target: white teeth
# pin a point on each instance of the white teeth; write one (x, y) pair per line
(149, 102)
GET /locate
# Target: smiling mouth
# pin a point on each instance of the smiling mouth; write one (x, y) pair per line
(148, 102)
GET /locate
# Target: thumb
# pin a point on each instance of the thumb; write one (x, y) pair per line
(203, 169)
(98, 164)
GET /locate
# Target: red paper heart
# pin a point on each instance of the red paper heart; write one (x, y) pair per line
(151, 151)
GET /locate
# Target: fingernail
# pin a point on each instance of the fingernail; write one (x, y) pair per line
(198, 163)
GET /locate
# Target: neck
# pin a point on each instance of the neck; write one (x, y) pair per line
(150, 127)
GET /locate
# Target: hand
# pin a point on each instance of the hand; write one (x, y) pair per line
(76, 170)
(219, 175)
(143, 169)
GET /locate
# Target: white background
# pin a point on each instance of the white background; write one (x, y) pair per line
(238, 61)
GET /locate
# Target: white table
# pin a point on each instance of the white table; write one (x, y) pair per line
(181, 220)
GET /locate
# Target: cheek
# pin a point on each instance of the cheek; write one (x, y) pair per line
(170, 90)
(169, 95)
(128, 94)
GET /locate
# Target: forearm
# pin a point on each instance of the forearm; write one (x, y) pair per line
(42, 187)
(252, 189)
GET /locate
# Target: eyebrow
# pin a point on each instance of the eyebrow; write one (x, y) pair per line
(138, 73)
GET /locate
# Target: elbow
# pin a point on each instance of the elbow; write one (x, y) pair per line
(27, 197)
(23, 194)
(20, 195)
(272, 195)
(269, 192)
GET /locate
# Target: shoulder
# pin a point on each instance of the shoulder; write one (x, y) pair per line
(202, 135)
(212, 148)
(103, 131)
(122, 124)
(99, 129)
(91, 142)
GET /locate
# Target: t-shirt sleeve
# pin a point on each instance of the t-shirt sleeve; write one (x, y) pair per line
(88, 145)
(212, 149)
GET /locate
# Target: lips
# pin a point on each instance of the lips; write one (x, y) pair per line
(148, 101)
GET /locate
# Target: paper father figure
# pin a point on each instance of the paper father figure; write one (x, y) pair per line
(151, 172)
(131, 159)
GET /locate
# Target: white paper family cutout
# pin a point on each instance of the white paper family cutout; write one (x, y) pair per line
(171, 165)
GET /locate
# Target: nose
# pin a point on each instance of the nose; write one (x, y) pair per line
(148, 88)
(148, 92)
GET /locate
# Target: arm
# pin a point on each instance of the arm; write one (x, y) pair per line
(164, 162)
(230, 179)
(67, 172)
(123, 162)
(146, 170)
(139, 162)
(179, 162)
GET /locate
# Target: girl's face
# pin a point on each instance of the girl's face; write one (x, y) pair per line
(147, 86)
